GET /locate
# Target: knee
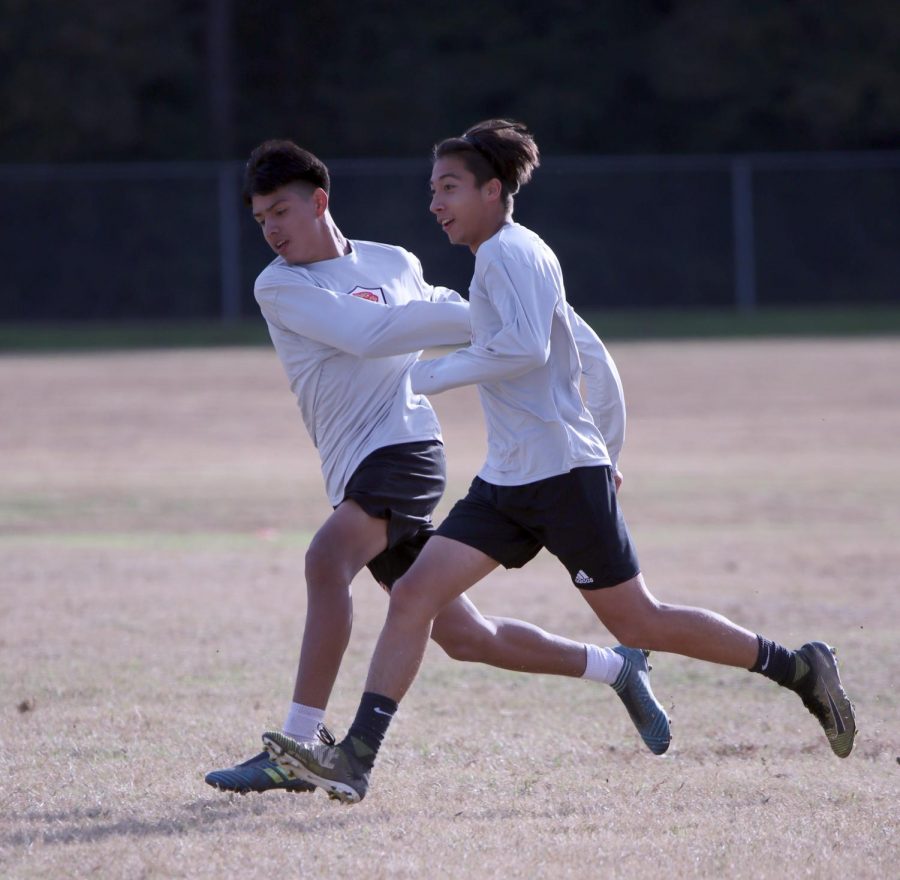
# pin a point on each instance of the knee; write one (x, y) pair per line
(325, 575)
(464, 634)
(410, 601)
(315, 570)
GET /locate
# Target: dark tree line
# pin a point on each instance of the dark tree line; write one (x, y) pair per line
(84, 80)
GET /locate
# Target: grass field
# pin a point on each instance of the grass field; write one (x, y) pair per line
(815, 321)
(154, 511)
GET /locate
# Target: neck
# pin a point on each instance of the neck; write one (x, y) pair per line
(332, 240)
(328, 243)
(494, 229)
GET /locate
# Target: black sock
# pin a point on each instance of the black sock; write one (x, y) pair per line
(369, 727)
(780, 664)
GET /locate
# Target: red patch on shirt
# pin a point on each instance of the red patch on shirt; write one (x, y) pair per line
(374, 294)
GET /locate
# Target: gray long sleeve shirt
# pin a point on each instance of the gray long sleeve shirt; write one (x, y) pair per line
(347, 330)
(528, 354)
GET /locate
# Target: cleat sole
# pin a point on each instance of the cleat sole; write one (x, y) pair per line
(830, 705)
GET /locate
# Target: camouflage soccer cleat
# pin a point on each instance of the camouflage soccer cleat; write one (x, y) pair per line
(333, 768)
(633, 688)
(823, 694)
(260, 773)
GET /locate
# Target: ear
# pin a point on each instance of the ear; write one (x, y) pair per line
(493, 189)
(320, 201)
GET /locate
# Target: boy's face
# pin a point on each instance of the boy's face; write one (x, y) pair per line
(468, 213)
(289, 218)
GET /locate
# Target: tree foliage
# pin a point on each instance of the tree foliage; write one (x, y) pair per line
(101, 80)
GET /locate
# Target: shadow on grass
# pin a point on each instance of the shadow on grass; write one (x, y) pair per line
(95, 824)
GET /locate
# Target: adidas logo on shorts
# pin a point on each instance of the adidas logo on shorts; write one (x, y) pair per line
(582, 578)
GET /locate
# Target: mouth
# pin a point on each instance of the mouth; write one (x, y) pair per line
(280, 245)
(446, 224)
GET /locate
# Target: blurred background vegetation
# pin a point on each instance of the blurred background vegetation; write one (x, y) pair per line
(705, 160)
(86, 80)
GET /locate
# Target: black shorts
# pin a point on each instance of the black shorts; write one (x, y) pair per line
(402, 484)
(574, 515)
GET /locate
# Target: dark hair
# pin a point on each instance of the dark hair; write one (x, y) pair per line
(277, 163)
(498, 148)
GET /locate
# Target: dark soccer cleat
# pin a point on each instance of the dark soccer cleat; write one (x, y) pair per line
(823, 694)
(259, 773)
(332, 768)
(633, 687)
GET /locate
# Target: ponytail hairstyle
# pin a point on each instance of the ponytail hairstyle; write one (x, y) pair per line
(495, 148)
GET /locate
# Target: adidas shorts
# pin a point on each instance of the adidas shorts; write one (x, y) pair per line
(402, 484)
(574, 515)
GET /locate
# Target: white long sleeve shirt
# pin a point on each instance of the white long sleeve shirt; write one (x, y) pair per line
(524, 357)
(347, 331)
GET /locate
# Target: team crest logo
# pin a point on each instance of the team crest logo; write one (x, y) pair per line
(372, 294)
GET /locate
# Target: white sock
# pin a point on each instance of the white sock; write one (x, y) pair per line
(303, 721)
(603, 664)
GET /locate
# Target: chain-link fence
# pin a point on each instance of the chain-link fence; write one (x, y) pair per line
(172, 240)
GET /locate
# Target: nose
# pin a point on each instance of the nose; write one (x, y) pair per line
(435, 205)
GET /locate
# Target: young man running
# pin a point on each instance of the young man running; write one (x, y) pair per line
(348, 320)
(549, 479)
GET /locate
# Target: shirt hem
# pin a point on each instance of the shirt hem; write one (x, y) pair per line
(502, 479)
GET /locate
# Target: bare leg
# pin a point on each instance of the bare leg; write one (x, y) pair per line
(631, 613)
(433, 588)
(348, 539)
(444, 571)
(465, 634)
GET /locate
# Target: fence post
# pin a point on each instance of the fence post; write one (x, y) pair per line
(744, 245)
(229, 242)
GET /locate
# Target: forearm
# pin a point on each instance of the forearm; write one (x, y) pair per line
(470, 366)
(412, 327)
(362, 328)
(603, 393)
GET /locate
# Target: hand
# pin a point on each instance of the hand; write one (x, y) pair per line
(617, 478)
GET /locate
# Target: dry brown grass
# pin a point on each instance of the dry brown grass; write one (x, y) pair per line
(154, 510)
